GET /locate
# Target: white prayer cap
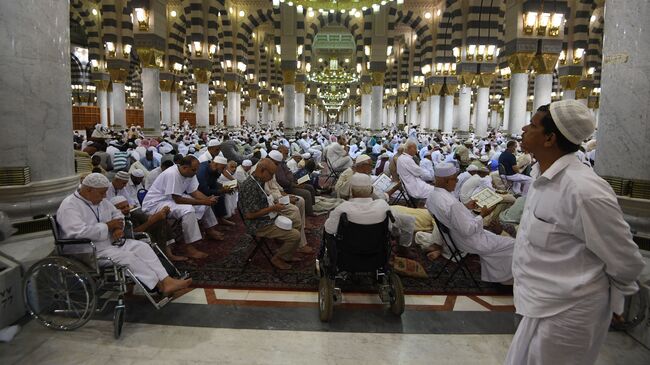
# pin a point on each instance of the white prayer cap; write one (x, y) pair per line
(485, 158)
(117, 199)
(166, 148)
(471, 168)
(361, 159)
(306, 156)
(263, 153)
(220, 160)
(96, 180)
(214, 143)
(304, 134)
(276, 155)
(444, 169)
(468, 141)
(283, 223)
(247, 163)
(359, 179)
(135, 155)
(574, 120)
(137, 173)
(122, 175)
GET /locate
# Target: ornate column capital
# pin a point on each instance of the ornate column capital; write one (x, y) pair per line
(232, 86)
(118, 75)
(288, 77)
(366, 88)
(435, 89)
(484, 80)
(520, 61)
(166, 85)
(377, 78)
(466, 78)
(150, 57)
(301, 87)
(102, 85)
(569, 82)
(545, 63)
(449, 89)
(202, 75)
(506, 92)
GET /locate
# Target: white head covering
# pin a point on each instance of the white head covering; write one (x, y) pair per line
(283, 223)
(122, 175)
(359, 179)
(96, 180)
(166, 148)
(574, 120)
(306, 156)
(117, 199)
(137, 173)
(213, 143)
(361, 159)
(276, 155)
(220, 160)
(471, 168)
(247, 163)
(444, 169)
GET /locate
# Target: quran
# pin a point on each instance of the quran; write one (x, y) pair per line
(487, 198)
(303, 179)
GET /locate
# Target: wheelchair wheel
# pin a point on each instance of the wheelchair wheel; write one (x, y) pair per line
(325, 299)
(397, 295)
(118, 318)
(59, 293)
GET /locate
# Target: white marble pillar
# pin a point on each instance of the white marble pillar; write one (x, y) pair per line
(568, 94)
(165, 107)
(175, 112)
(300, 110)
(506, 114)
(289, 108)
(202, 107)
(482, 108)
(376, 107)
(448, 120)
(494, 119)
(518, 100)
(413, 113)
(265, 113)
(366, 105)
(400, 114)
(456, 117)
(151, 100)
(102, 102)
(275, 114)
(543, 90)
(434, 112)
(111, 110)
(254, 115)
(35, 115)
(464, 105)
(232, 118)
(527, 117)
(424, 113)
(119, 106)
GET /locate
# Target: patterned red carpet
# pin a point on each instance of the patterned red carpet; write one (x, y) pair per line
(223, 269)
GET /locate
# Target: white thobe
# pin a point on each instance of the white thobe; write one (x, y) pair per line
(427, 169)
(467, 231)
(149, 179)
(292, 165)
(230, 199)
(411, 176)
(305, 145)
(171, 183)
(436, 157)
(112, 192)
(359, 211)
(241, 174)
(338, 158)
(79, 218)
(131, 193)
(574, 250)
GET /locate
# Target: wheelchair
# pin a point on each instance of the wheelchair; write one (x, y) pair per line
(62, 292)
(357, 248)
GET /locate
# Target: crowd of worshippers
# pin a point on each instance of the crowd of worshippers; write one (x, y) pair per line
(543, 234)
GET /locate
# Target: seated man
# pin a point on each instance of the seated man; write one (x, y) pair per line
(363, 165)
(305, 144)
(411, 174)
(466, 229)
(243, 171)
(427, 167)
(117, 187)
(133, 186)
(337, 154)
(87, 214)
(289, 183)
(509, 161)
(209, 184)
(360, 208)
(177, 188)
(153, 174)
(259, 213)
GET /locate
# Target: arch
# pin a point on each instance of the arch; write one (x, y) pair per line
(345, 20)
(81, 10)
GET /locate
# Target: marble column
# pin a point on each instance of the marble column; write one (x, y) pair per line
(232, 117)
(254, 115)
(434, 112)
(151, 100)
(518, 100)
(424, 111)
(448, 113)
(412, 112)
(275, 114)
(102, 102)
(400, 114)
(36, 115)
(119, 106)
(464, 105)
(494, 119)
(366, 104)
(111, 110)
(165, 101)
(202, 107)
(543, 90)
(376, 106)
(289, 108)
(482, 107)
(219, 115)
(265, 112)
(175, 112)
(506, 113)
(300, 109)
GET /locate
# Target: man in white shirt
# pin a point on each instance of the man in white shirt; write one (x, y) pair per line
(87, 214)
(214, 150)
(574, 259)
(466, 229)
(361, 208)
(132, 186)
(292, 163)
(305, 145)
(411, 174)
(243, 171)
(427, 167)
(177, 187)
(153, 174)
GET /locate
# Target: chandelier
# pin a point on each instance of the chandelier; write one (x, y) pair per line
(333, 77)
(355, 7)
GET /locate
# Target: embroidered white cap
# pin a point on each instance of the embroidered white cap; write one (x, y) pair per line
(573, 119)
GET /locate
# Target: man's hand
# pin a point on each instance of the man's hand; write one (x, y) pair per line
(293, 199)
(485, 211)
(115, 224)
(471, 205)
(276, 207)
(211, 200)
(117, 234)
(161, 214)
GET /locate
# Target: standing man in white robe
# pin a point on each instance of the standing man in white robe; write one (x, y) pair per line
(87, 214)
(411, 174)
(574, 260)
(466, 229)
(177, 187)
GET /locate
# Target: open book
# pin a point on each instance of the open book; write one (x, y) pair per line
(487, 198)
(303, 179)
(383, 183)
(230, 184)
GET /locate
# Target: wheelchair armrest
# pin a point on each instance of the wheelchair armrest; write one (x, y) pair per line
(73, 241)
(141, 236)
(390, 216)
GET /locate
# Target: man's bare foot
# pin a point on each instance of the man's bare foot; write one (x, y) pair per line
(170, 285)
(433, 255)
(215, 235)
(279, 263)
(305, 249)
(192, 252)
(226, 222)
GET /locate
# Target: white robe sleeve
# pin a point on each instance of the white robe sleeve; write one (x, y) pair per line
(462, 223)
(74, 224)
(332, 222)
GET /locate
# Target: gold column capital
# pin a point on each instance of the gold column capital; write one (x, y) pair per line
(300, 87)
(401, 100)
(102, 85)
(252, 93)
(583, 92)
(377, 78)
(506, 92)
(265, 98)
(413, 96)
(118, 75)
(593, 103)
(520, 61)
(569, 82)
(484, 80)
(150, 57)
(435, 89)
(202, 75)
(449, 89)
(366, 88)
(545, 63)
(166, 85)
(232, 86)
(466, 78)
(219, 97)
(288, 77)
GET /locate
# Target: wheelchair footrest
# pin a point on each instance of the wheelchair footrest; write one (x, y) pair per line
(384, 293)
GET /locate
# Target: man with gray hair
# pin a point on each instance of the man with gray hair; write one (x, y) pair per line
(87, 214)
(362, 164)
(411, 174)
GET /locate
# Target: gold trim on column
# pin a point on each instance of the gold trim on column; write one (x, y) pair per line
(377, 78)
(288, 77)
(545, 63)
(413, 96)
(252, 93)
(520, 61)
(166, 85)
(202, 75)
(449, 89)
(583, 92)
(366, 88)
(265, 98)
(300, 87)
(220, 97)
(466, 78)
(506, 92)
(435, 89)
(484, 80)
(102, 85)
(232, 86)
(150, 57)
(118, 75)
(569, 82)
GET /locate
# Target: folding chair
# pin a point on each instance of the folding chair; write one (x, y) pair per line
(410, 201)
(260, 246)
(504, 179)
(331, 173)
(457, 256)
